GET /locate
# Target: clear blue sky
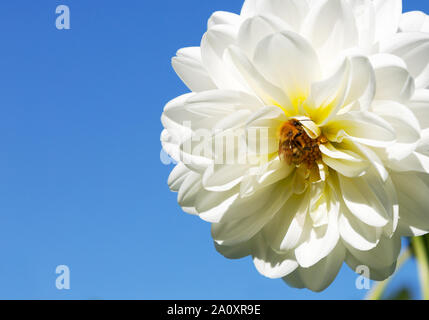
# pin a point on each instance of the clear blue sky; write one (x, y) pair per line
(81, 182)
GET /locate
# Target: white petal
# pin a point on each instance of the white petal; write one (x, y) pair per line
(406, 230)
(419, 104)
(393, 111)
(320, 276)
(220, 103)
(261, 201)
(319, 207)
(212, 206)
(331, 27)
(394, 82)
(178, 176)
(223, 177)
(413, 190)
(238, 251)
(213, 45)
(189, 189)
(294, 280)
(353, 81)
(362, 82)
(405, 124)
(255, 29)
(376, 274)
(388, 16)
(364, 13)
(265, 175)
(384, 255)
(366, 198)
(423, 146)
(291, 12)
(273, 171)
(413, 48)
(262, 130)
(258, 213)
(374, 159)
(284, 231)
(414, 162)
(189, 67)
(234, 121)
(192, 120)
(173, 124)
(414, 21)
(348, 163)
(328, 95)
(204, 110)
(271, 264)
(249, 8)
(287, 60)
(265, 116)
(322, 240)
(222, 17)
(391, 198)
(364, 127)
(268, 92)
(170, 145)
(356, 233)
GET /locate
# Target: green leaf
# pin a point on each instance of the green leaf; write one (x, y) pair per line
(402, 294)
(426, 237)
(420, 250)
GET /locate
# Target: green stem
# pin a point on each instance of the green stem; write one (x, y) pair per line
(423, 264)
(378, 290)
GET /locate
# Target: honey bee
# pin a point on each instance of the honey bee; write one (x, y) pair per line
(296, 147)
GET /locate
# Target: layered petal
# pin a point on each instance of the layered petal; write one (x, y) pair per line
(412, 47)
(236, 231)
(356, 233)
(343, 160)
(268, 92)
(284, 232)
(331, 28)
(351, 86)
(363, 127)
(322, 240)
(291, 12)
(188, 65)
(369, 199)
(413, 202)
(419, 105)
(318, 277)
(213, 45)
(287, 60)
(254, 29)
(270, 263)
(225, 18)
(381, 260)
(388, 16)
(414, 21)
(405, 124)
(393, 79)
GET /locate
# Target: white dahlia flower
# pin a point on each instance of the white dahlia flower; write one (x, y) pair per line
(324, 105)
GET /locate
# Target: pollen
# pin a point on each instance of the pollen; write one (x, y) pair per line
(297, 147)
